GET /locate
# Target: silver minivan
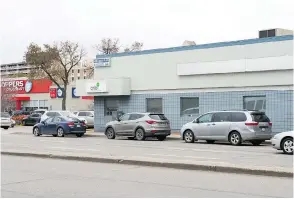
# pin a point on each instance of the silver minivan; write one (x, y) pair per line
(232, 126)
(139, 126)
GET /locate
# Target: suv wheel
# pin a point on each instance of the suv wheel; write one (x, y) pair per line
(287, 146)
(140, 134)
(256, 142)
(189, 136)
(110, 134)
(235, 138)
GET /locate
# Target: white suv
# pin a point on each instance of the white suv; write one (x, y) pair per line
(59, 113)
(87, 115)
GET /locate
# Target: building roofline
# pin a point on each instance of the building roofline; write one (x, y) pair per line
(23, 62)
(201, 46)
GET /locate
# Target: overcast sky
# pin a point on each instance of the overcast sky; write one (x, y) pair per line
(156, 23)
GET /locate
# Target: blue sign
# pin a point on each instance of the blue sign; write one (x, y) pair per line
(74, 93)
(101, 62)
(60, 92)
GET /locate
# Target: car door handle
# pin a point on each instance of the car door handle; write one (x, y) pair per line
(213, 124)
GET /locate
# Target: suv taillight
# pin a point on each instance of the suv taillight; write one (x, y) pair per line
(71, 124)
(251, 123)
(150, 121)
(83, 123)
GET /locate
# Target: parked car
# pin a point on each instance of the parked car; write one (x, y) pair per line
(233, 126)
(5, 120)
(32, 119)
(18, 116)
(284, 141)
(48, 114)
(139, 126)
(88, 116)
(41, 111)
(60, 126)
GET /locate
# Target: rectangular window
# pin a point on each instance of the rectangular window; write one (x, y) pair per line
(254, 103)
(189, 105)
(72, 71)
(78, 77)
(154, 105)
(78, 70)
(110, 106)
(72, 79)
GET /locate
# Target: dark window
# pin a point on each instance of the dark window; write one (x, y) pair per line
(72, 71)
(154, 105)
(84, 77)
(262, 34)
(157, 117)
(259, 117)
(271, 33)
(110, 106)
(189, 105)
(78, 70)
(238, 117)
(205, 118)
(254, 103)
(125, 117)
(221, 117)
(72, 79)
(78, 78)
(82, 114)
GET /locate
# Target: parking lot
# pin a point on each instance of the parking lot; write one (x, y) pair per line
(173, 149)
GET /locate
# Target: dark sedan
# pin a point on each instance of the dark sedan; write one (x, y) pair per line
(60, 126)
(32, 119)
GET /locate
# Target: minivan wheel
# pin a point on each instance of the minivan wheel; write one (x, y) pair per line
(287, 146)
(189, 136)
(110, 134)
(256, 142)
(235, 138)
(210, 141)
(140, 134)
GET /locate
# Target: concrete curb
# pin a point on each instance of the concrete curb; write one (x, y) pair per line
(215, 168)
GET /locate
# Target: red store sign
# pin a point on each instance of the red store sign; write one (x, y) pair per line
(26, 86)
(53, 92)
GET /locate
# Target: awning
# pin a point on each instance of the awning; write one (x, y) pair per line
(21, 98)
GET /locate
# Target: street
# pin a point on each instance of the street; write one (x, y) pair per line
(34, 177)
(20, 139)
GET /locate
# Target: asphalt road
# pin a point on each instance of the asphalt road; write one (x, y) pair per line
(175, 150)
(34, 177)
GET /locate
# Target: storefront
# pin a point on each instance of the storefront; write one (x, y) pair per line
(185, 82)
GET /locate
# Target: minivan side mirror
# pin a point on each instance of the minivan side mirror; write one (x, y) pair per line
(196, 121)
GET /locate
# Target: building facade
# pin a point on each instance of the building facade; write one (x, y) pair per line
(185, 82)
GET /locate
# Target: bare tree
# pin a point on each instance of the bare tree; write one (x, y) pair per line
(136, 46)
(7, 102)
(108, 46)
(54, 62)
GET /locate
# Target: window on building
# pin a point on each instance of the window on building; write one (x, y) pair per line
(84, 77)
(254, 103)
(110, 106)
(78, 78)
(78, 70)
(72, 71)
(72, 79)
(154, 105)
(189, 105)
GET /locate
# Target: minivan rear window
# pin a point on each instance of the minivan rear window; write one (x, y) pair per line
(157, 117)
(259, 117)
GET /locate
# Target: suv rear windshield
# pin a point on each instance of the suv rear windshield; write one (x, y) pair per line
(157, 117)
(259, 117)
(5, 115)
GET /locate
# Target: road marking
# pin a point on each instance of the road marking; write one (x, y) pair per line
(194, 157)
(75, 149)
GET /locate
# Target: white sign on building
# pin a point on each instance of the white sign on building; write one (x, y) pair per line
(101, 62)
(96, 87)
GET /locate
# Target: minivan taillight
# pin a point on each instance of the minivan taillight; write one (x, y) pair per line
(251, 123)
(270, 123)
(150, 121)
(70, 124)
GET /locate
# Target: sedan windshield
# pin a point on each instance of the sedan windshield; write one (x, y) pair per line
(5, 115)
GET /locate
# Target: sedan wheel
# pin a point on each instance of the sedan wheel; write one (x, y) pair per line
(189, 137)
(235, 138)
(110, 134)
(287, 146)
(60, 132)
(36, 131)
